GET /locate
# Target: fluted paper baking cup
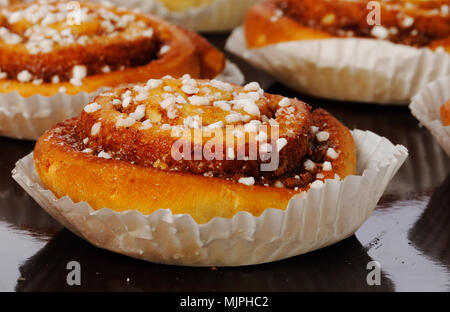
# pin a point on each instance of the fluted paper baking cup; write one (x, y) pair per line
(426, 105)
(219, 15)
(312, 220)
(28, 118)
(350, 69)
(232, 74)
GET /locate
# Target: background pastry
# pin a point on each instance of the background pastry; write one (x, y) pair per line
(42, 49)
(182, 5)
(427, 106)
(379, 52)
(413, 23)
(199, 15)
(54, 56)
(445, 113)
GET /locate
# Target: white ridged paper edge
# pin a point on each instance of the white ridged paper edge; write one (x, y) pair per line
(219, 16)
(350, 69)
(232, 74)
(322, 216)
(426, 105)
(27, 118)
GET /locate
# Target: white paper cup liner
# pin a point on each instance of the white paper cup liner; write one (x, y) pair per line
(220, 15)
(28, 118)
(426, 105)
(317, 218)
(231, 74)
(347, 69)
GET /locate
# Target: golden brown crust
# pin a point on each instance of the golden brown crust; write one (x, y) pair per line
(445, 113)
(67, 171)
(72, 165)
(129, 59)
(418, 24)
(124, 186)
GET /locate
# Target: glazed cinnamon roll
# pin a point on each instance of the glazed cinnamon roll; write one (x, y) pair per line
(408, 22)
(445, 113)
(49, 47)
(202, 147)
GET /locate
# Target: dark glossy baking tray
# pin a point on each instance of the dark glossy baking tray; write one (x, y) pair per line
(408, 233)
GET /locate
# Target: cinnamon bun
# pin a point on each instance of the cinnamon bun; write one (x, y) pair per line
(202, 147)
(408, 22)
(46, 47)
(445, 113)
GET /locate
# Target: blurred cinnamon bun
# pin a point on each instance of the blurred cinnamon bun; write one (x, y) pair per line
(52, 46)
(408, 22)
(445, 113)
